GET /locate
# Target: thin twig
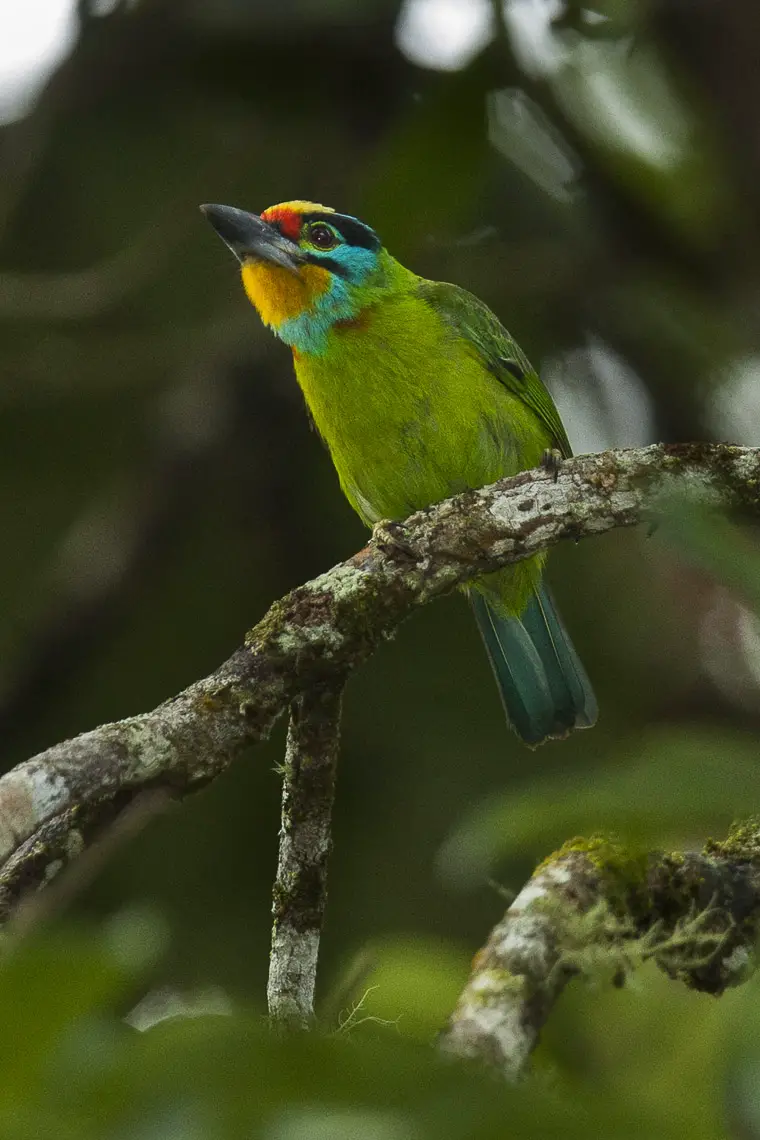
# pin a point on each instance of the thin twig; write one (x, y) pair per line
(300, 889)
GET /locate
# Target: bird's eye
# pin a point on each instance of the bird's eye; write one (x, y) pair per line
(322, 236)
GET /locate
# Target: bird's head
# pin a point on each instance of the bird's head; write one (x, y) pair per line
(305, 267)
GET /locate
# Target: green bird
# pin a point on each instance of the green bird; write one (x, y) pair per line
(419, 393)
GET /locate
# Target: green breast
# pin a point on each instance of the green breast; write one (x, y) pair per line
(410, 412)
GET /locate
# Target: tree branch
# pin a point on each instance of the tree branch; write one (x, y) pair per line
(595, 904)
(300, 889)
(53, 804)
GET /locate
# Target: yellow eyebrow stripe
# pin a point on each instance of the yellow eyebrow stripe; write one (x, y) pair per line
(299, 206)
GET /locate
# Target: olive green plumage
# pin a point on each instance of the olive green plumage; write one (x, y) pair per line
(431, 397)
(419, 393)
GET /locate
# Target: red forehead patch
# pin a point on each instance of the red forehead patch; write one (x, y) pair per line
(288, 220)
(289, 215)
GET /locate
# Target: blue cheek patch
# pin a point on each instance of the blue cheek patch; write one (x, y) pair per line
(357, 261)
(308, 332)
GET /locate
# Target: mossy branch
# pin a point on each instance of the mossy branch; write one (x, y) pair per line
(596, 907)
(59, 801)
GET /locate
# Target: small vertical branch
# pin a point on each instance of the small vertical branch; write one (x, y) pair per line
(300, 889)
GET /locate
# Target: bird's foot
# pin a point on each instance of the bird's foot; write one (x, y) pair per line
(551, 461)
(389, 537)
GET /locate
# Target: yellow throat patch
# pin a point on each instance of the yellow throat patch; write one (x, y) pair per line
(279, 295)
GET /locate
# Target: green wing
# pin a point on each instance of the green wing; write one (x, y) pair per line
(474, 321)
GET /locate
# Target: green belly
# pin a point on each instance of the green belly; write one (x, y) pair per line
(411, 420)
(412, 417)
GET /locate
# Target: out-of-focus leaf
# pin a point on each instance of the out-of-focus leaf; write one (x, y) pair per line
(625, 103)
(410, 983)
(523, 133)
(742, 1076)
(57, 997)
(668, 787)
(229, 1077)
(708, 539)
(44, 987)
(435, 161)
(220, 1078)
(658, 1046)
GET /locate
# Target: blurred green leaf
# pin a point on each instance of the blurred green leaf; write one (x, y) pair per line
(57, 1000)
(622, 98)
(668, 787)
(409, 983)
(44, 987)
(87, 1076)
(714, 544)
(657, 1046)
(742, 1075)
(436, 160)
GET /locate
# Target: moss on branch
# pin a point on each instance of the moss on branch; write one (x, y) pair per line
(597, 906)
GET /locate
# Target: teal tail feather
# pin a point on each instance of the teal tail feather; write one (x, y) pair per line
(543, 685)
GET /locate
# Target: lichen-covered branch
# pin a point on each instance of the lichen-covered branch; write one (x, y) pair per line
(300, 889)
(594, 903)
(56, 802)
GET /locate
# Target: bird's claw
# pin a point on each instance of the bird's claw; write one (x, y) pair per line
(389, 537)
(551, 461)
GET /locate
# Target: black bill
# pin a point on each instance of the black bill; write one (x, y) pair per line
(248, 236)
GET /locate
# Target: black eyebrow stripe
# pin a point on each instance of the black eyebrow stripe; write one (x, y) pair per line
(354, 231)
(330, 263)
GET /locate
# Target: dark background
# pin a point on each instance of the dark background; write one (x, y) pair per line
(161, 485)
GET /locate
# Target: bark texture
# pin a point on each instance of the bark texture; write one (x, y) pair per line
(55, 804)
(595, 904)
(300, 889)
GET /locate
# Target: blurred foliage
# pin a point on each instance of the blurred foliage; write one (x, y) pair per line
(594, 179)
(71, 1067)
(647, 797)
(715, 544)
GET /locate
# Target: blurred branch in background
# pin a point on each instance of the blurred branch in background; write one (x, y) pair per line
(87, 293)
(122, 537)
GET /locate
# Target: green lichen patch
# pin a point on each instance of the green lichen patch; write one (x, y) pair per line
(596, 944)
(495, 984)
(741, 845)
(622, 869)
